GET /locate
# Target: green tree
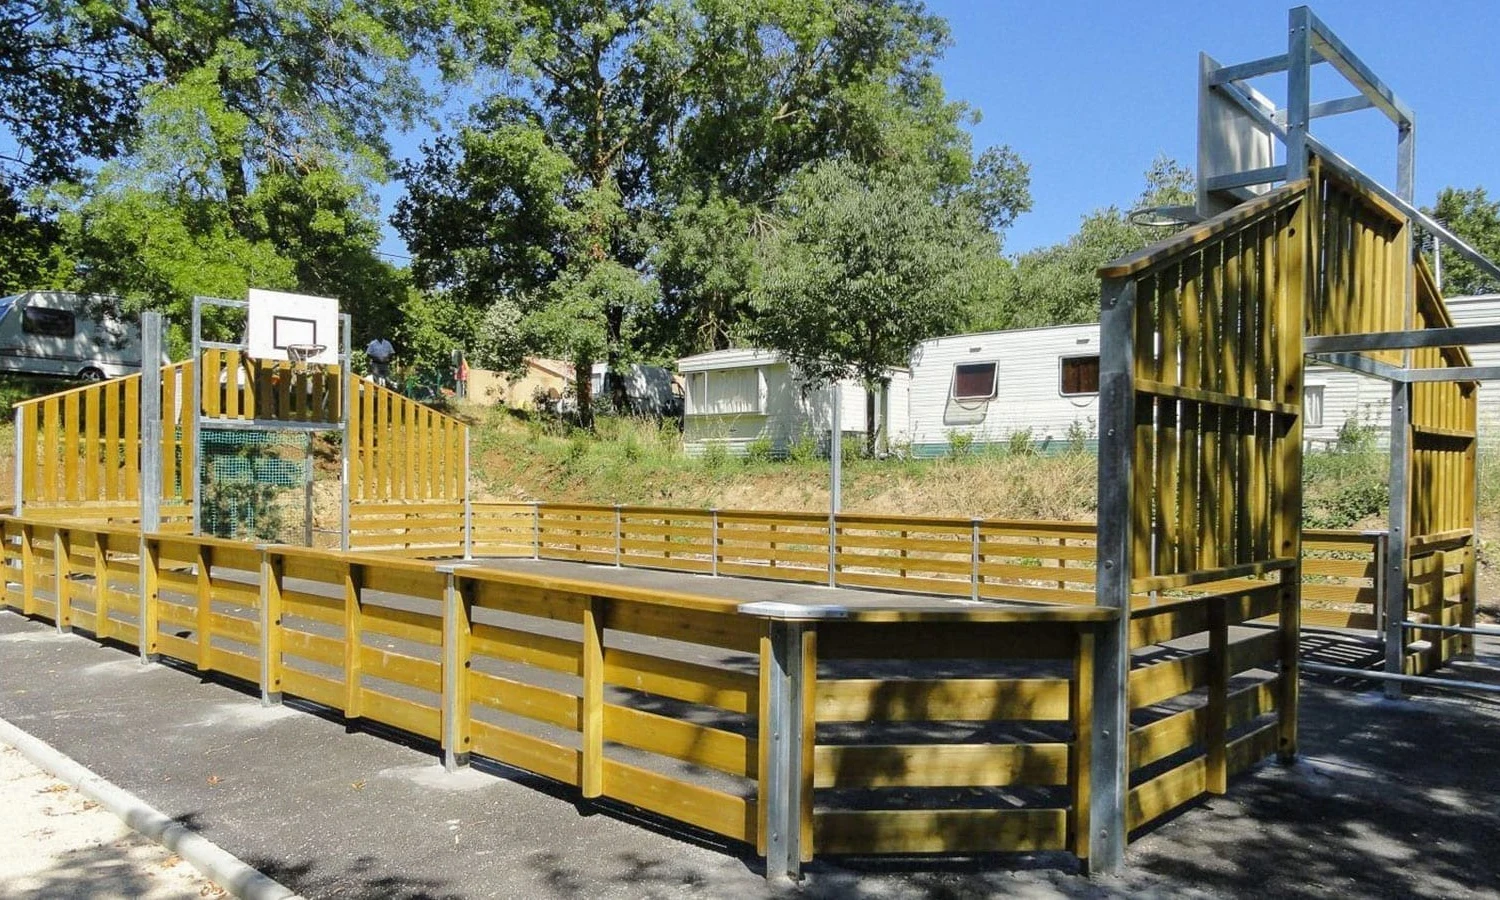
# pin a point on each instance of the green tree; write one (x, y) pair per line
(1059, 285)
(654, 135)
(862, 266)
(1473, 216)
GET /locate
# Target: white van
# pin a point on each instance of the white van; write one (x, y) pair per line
(69, 335)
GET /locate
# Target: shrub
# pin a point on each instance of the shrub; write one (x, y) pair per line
(1357, 434)
(803, 449)
(715, 455)
(1021, 443)
(759, 450)
(1079, 435)
(960, 444)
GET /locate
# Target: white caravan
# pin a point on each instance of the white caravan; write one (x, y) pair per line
(743, 397)
(68, 335)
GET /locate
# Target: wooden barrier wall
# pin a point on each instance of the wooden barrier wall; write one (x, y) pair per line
(1442, 565)
(1201, 488)
(1050, 562)
(953, 730)
(403, 450)
(238, 386)
(80, 451)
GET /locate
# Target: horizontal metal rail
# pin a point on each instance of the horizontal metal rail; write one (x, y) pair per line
(1453, 684)
(1455, 629)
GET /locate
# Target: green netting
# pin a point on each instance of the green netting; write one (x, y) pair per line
(254, 484)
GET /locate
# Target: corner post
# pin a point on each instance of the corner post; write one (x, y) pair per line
(1298, 90)
(270, 627)
(353, 641)
(151, 422)
(1399, 541)
(1109, 773)
(456, 662)
(194, 403)
(536, 529)
(784, 731)
(591, 724)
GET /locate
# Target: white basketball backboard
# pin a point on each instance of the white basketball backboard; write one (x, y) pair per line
(276, 319)
(1230, 141)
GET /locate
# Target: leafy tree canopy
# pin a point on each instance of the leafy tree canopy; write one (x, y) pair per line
(860, 267)
(1473, 216)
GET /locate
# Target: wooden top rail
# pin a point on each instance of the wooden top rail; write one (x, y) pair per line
(1191, 238)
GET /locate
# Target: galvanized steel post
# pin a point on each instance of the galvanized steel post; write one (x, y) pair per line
(1298, 91)
(346, 396)
(194, 404)
(784, 777)
(1398, 542)
(1109, 770)
(151, 423)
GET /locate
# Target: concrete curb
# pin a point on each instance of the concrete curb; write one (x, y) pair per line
(218, 864)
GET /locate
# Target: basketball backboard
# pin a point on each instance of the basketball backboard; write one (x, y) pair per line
(1230, 142)
(276, 320)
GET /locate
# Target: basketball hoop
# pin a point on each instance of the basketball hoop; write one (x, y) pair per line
(299, 354)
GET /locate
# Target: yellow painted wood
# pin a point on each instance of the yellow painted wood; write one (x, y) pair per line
(946, 640)
(407, 715)
(691, 682)
(1150, 685)
(1164, 793)
(529, 648)
(378, 662)
(940, 765)
(529, 701)
(940, 831)
(353, 641)
(149, 574)
(526, 752)
(701, 745)
(591, 778)
(961, 699)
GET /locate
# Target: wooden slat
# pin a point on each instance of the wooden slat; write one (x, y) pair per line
(690, 682)
(940, 831)
(698, 744)
(526, 752)
(399, 667)
(940, 765)
(526, 700)
(716, 811)
(1164, 793)
(404, 714)
(955, 699)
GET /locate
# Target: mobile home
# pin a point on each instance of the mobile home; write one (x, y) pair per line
(67, 335)
(736, 398)
(978, 389)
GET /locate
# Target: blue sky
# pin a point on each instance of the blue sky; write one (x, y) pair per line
(1090, 93)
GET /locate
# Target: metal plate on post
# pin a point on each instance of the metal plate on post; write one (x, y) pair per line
(1230, 142)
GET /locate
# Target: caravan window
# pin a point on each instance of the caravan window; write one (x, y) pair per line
(725, 392)
(1312, 406)
(47, 322)
(974, 381)
(1079, 375)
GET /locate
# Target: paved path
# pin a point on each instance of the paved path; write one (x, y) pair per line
(59, 844)
(1392, 799)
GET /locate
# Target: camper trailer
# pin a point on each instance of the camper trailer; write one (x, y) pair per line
(67, 335)
(980, 389)
(649, 390)
(738, 398)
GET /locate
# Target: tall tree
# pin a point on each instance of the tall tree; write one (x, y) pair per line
(1473, 216)
(861, 267)
(660, 131)
(1059, 285)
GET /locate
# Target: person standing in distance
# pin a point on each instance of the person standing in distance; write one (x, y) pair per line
(380, 352)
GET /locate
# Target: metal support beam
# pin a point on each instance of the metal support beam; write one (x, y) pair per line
(1339, 106)
(194, 403)
(1268, 65)
(784, 775)
(1398, 548)
(1109, 771)
(1362, 364)
(1452, 373)
(1452, 684)
(1458, 336)
(1327, 45)
(468, 503)
(1249, 177)
(1298, 90)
